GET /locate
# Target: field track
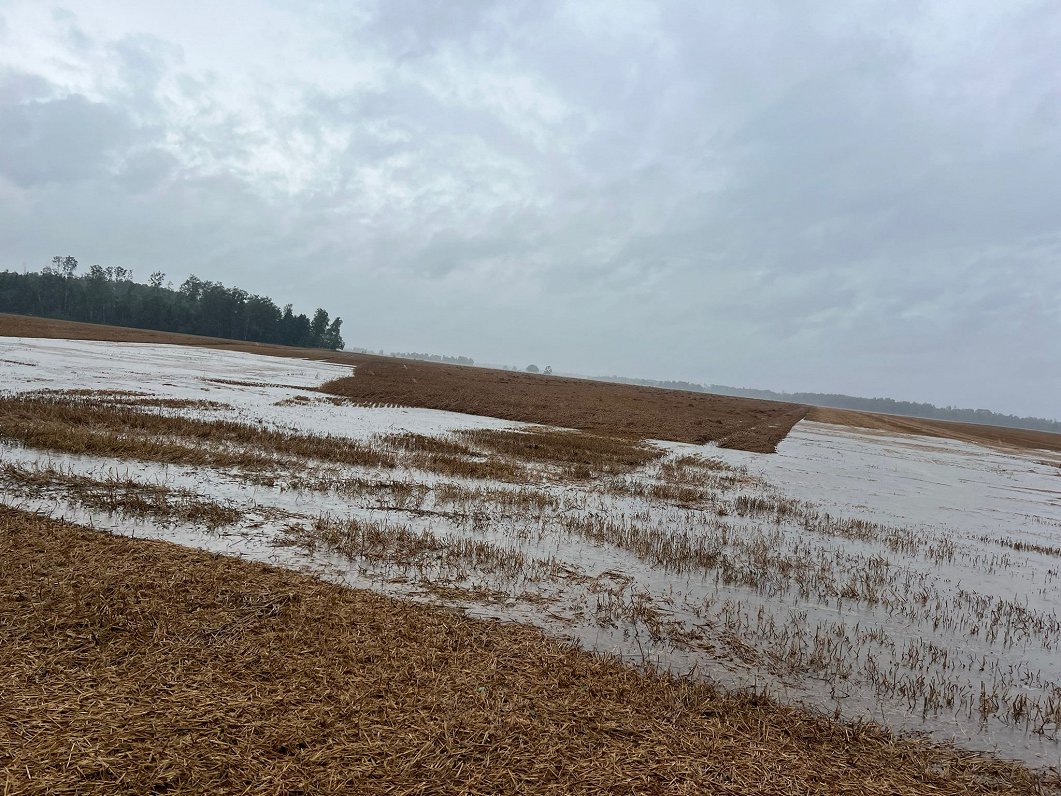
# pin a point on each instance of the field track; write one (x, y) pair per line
(741, 423)
(144, 667)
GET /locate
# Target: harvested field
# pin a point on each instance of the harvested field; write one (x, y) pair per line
(739, 423)
(902, 580)
(599, 407)
(615, 409)
(945, 429)
(268, 681)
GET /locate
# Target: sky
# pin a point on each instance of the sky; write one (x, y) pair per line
(836, 197)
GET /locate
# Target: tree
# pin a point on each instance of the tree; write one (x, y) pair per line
(532, 368)
(332, 338)
(263, 320)
(286, 328)
(66, 267)
(319, 325)
(548, 370)
(109, 295)
(192, 288)
(303, 335)
(97, 294)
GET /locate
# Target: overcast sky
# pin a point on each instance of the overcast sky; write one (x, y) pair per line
(838, 197)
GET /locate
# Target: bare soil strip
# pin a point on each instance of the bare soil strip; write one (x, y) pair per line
(140, 666)
(615, 409)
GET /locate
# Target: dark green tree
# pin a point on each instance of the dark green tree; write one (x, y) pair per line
(110, 295)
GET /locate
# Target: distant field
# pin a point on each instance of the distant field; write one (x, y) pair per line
(740, 423)
(627, 410)
(964, 432)
(49, 328)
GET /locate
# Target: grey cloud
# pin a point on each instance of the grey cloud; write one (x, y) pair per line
(415, 28)
(59, 140)
(147, 169)
(857, 199)
(20, 87)
(144, 61)
(73, 33)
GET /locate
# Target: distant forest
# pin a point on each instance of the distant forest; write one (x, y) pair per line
(887, 406)
(458, 360)
(109, 295)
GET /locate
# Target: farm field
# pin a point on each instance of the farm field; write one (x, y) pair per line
(910, 581)
(173, 670)
(571, 403)
(611, 408)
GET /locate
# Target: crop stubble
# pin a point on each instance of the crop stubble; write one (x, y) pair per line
(614, 409)
(694, 493)
(262, 680)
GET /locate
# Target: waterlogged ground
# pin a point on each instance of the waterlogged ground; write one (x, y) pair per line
(908, 580)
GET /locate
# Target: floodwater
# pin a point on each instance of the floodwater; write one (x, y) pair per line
(928, 599)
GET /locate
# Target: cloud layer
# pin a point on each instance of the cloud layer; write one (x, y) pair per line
(858, 199)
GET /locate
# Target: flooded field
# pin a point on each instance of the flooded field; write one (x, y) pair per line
(905, 580)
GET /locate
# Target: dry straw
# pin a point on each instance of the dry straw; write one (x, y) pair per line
(142, 667)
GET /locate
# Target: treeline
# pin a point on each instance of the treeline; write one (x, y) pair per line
(111, 296)
(434, 358)
(886, 406)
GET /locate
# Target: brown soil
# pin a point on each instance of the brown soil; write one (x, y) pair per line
(994, 436)
(601, 407)
(142, 667)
